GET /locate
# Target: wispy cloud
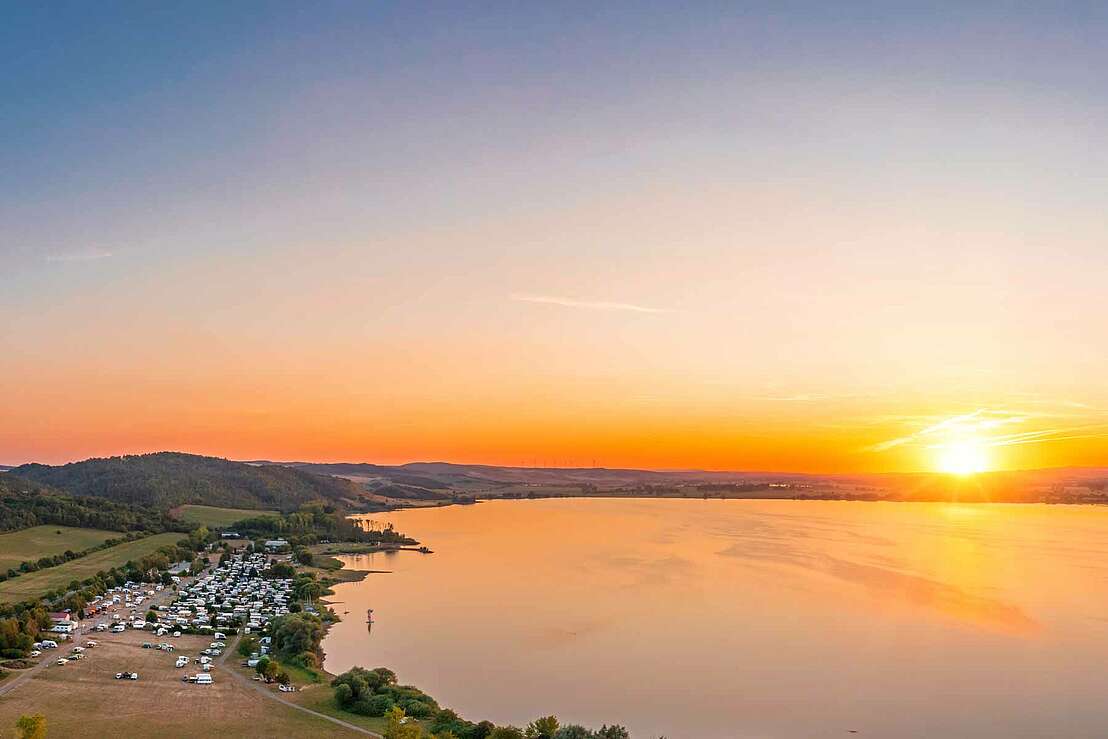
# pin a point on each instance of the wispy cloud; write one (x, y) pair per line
(603, 305)
(812, 397)
(985, 426)
(84, 255)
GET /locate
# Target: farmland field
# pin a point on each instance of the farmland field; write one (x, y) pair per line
(35, 584)
(211, 516)
(46, 541)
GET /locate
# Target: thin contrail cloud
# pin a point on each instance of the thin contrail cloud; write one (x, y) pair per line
(603, 305)
(87, 255)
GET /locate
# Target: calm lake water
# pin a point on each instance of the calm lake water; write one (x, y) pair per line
(694, 618)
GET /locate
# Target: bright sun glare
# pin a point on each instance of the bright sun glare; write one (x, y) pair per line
(963, 457)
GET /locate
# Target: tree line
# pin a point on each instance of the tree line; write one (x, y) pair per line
(377, 692)
(315, 522)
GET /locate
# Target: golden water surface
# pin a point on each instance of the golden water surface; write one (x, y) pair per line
(692, 618)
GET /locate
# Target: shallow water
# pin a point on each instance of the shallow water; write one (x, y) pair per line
(691, 618)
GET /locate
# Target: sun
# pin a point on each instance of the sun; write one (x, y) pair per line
(963, 457)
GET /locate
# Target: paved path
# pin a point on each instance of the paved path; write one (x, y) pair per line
(261, 688)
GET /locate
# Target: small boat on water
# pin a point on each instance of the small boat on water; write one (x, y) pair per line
(369, 616)
(425, 550)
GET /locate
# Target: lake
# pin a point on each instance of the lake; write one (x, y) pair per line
(745, 618)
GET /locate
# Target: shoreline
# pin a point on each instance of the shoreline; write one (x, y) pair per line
(814, 499)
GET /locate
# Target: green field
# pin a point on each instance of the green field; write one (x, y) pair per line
(211, 516)
(35, 584)
(17, 547)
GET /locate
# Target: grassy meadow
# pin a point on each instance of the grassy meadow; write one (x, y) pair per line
(46, 541)
(213, 517)
(34, 584)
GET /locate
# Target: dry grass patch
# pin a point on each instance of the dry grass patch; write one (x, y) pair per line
(83, 699)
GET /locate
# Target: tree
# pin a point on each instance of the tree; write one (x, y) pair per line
(270, 671)
(507, 732)
(282, 570)
(31, 727)
(344, 694)
(297, 636)
(542, 728)
(573, 731)
(612, 732)
(198, 537)
(399, 728)
(248, 645)
(304, 557)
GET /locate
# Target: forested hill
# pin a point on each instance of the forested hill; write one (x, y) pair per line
(169, 479)
(25, 503)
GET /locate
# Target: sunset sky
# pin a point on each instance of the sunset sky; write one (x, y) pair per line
(793, 236)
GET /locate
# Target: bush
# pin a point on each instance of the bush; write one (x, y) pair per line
(507, 732)
(344, 694)
(417, 709)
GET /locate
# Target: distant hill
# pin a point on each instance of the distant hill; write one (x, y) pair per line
(25, 503)
(451, 476)
(168, 479)
(422, 480)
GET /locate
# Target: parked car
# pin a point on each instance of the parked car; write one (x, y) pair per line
(35, 653)
(62, 661)
(287, 689)
(133, 676)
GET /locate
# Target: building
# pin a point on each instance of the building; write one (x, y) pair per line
(62, 623)
(274, 545)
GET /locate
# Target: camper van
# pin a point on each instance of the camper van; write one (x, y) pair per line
(204, 679)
